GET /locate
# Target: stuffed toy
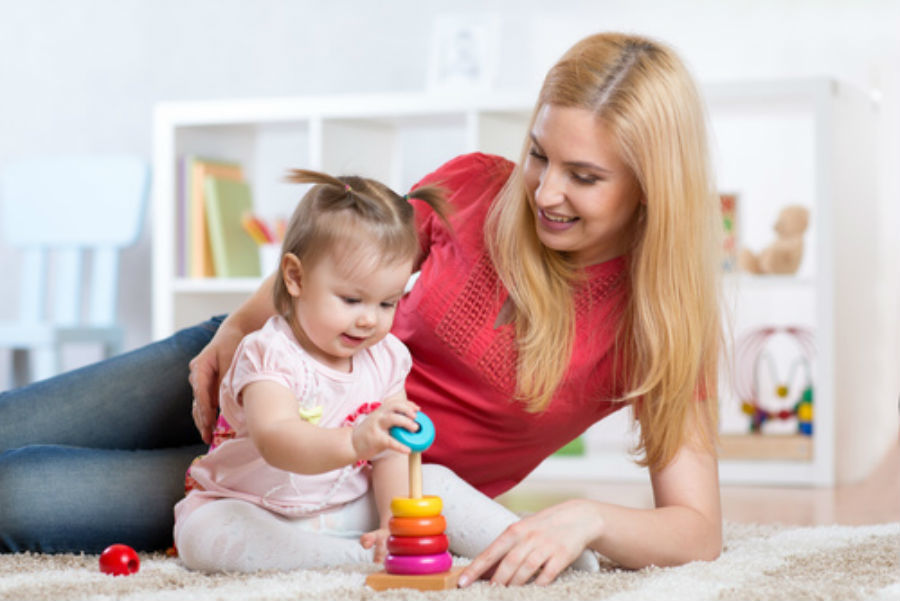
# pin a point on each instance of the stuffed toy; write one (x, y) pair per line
(783, 256)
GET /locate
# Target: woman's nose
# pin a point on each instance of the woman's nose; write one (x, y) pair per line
(550, 190)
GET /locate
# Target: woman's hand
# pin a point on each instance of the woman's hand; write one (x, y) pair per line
(372, 436)
(539, 546)
(378, 539)
(207, 369)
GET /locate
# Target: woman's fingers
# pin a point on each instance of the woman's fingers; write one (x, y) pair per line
(538, 547)
(199, 380)
(484, 563)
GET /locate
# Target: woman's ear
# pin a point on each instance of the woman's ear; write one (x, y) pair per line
(292, 273)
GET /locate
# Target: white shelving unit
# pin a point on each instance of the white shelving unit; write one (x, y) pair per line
(774, 143)
(395, 138)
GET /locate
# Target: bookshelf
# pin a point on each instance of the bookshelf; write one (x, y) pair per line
(774, 143)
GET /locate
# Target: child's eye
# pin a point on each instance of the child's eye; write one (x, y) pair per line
(388, 304)
(350, 300)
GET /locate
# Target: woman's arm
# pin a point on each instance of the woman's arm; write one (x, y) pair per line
(685, 525)
(208, 367)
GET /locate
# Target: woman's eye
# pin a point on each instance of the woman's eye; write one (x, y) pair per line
(584, 179)
(537, 155)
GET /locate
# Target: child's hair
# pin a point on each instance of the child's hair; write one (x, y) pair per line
(344, 213)
(670, 332)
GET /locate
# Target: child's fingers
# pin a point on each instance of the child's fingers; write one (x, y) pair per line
(401, 404)
(402, 421)
(396, 445)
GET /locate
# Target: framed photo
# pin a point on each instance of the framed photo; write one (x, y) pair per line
(463, 55)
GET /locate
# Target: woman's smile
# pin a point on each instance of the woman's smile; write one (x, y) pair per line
(555, 222)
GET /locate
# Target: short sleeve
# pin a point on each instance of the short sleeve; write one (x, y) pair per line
(397, 361)
(264, 355)
(468, 178)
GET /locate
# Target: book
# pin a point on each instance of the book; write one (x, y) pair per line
(234, 253)
(729, 205)
(198, 251)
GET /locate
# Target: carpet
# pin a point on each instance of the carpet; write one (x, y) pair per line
(758, 562)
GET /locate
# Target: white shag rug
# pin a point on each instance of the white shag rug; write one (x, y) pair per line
(759, 562)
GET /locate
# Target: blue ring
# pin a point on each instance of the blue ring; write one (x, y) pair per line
(421, 439)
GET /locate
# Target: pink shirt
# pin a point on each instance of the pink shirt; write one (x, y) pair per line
(464, 373)
(235, 469)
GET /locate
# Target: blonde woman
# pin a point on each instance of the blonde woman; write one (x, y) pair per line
(577, 282)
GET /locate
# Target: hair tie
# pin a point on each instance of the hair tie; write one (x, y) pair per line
(346, 187)
(406, 197)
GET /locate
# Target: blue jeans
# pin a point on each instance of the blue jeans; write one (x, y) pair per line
(97, 455)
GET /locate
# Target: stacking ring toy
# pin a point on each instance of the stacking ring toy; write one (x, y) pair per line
(417, 526)
(417, 545)
(418, 564)
(423, 507)
(419, 440)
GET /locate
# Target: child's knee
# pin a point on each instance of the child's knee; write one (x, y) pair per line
(436, 477)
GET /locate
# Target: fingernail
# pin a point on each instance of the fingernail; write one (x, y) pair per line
(463, 581)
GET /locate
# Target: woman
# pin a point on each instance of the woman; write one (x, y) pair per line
(579, 281)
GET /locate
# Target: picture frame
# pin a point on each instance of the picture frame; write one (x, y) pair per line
(463, 52)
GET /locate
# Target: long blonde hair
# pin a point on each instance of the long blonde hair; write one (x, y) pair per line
(669, 336)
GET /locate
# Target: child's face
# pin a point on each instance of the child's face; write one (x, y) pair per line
(344, 303)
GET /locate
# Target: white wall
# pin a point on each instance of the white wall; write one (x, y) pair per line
(83, 75)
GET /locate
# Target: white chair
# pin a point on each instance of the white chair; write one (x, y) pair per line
(63, 213)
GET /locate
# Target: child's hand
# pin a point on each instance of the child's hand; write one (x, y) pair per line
(378, 539)
(372, 436)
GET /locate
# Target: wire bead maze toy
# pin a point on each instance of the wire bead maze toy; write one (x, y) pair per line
(751, 355)
(418, 555)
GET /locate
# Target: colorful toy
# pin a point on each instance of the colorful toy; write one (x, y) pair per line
(119, 560)
(418, 557)
(752, 356)
(804, 411)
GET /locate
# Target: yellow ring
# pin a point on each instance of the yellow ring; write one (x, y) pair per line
(426, 507)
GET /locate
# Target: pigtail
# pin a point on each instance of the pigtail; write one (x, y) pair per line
(435, 197)
(307, 176)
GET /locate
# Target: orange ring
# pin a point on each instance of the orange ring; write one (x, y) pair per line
(418, 526)
(423, 507)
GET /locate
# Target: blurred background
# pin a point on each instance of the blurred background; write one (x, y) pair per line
(85, 75)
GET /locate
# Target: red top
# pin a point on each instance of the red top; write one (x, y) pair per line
(464, 369)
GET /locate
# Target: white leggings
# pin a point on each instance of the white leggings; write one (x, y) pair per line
(230, 535)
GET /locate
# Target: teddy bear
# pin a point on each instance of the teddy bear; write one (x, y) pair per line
(782, 256)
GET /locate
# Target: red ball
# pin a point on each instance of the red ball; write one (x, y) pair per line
(119, 560)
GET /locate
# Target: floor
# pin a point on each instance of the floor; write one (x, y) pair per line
(875, 500)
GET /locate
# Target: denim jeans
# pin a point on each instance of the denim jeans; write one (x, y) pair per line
(97, 455)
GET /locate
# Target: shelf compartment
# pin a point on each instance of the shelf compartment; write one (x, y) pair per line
(766, 447)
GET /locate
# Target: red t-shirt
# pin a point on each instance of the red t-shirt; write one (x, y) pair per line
(464, 369)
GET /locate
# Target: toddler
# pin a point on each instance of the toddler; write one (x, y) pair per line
(308, 400)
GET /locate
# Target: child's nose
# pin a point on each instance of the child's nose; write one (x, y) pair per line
(366, 318)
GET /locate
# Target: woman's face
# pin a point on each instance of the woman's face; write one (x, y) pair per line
(584, 197)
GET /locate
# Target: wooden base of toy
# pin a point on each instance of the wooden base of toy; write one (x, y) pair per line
(382, 581)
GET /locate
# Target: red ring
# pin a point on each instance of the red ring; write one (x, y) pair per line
(418, 526)
(417, 545)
